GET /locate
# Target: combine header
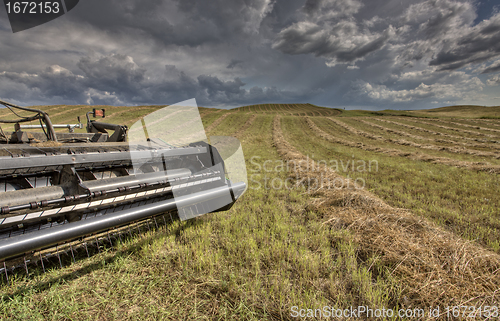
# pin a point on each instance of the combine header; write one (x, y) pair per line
(59, 190)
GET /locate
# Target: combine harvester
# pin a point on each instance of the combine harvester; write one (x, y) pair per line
(61, 191)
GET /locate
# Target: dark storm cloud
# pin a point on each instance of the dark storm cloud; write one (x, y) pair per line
(107, 75)
(176, 23)
(441, 28)
(479, 44)
(214, 85)
(133, 18)
(229, 16)
(232, 91)
(50, 83)
(383, 53)
(117, 79)
(492, 68)
(112, 72)
(234, 63)
(329, 30)
(312, 6)
(340, 44)
(321, 9)
(434, 18)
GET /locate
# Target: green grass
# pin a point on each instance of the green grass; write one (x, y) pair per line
(343, 133)
(477, 123)
(463, 111)
(61, 114)
(456, 136)
(289, 109)
(386, 112)
(271, 251)
(313, 110)
(434, 126)
(230, 125)
(256, 261)
(463, 201)
(468, 124)
(489, 117)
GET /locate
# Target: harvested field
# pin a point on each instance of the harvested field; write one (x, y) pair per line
(457, 198)
(482, 123)
(410, 220)
(404, 142)
(290, 109)
(476, 166)
(433, 132)
(421, 253)
(466, 111)
(461, 124)
(455, 129)
(236, 121)
(489, 122)
(245, 126)
(216, 122)
(398, 131)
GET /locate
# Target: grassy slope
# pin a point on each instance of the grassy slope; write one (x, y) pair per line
(428, 136)
(127, 115)
(447, 112)
(463, 201)
(466, 111)
(269, 252)
(343, 133)
(289, 109)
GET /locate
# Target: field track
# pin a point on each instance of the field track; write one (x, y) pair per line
(290, 109)
(219, 120)
(435, 132)
(245, 126)
(481, 123)
(460, 130)
(437, 140)
(404, 142)
(468, 126)
(477, 166)
(489, 122)
(421, 253)
(208, 111)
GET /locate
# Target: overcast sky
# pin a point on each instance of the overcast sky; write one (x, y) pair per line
(373, 54)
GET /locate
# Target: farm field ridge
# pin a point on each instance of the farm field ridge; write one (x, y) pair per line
(343, 208)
